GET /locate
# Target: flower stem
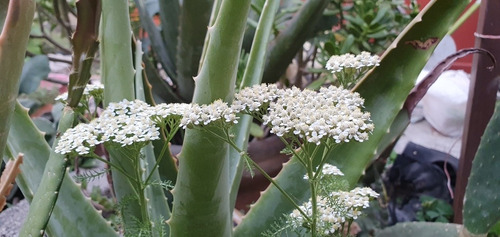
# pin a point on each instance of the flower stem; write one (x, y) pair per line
(314, 200)
(93, 155)
(162, 153)
(262, 171)
(293, 151)
(323, 159)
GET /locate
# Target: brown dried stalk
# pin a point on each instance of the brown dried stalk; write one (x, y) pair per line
(8, 177)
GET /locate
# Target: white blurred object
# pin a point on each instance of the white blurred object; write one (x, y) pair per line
(445, 103)
(445, 48)
(446, 116)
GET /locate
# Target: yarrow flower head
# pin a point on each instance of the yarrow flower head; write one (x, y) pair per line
(316, 116)
(202, 115)
(331, 170)
(332, 113)
(334, 210)
(328, 170)
(251, 100)
(337, 63)
(127, 122)
(123, 123)
(135, 122)
(168, 116)
(79, 139)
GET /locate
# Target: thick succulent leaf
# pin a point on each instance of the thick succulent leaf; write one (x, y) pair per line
(201, 194)
(157, 207)
(73, 212)
(118, 78)
(169, 17)
(87, 31)
(116, 54)
(385, 90)
(34, 71)
(252, 75)
(421, 229)
(482, 202)
(157, 42)
(13, 41)
(3, 12)
(46, 195)
(48, 128)
(194, 19)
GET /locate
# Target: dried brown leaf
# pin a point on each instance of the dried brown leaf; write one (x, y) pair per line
(8, 177)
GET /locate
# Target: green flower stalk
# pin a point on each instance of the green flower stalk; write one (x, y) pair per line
(117, 73)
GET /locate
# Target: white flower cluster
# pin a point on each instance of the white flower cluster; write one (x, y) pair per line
(328, 170)
(337, 63)
(78, 139)
(129, 122)
(335, 210)
(315, 116)
(331, 170)
(358, 197)
(89, 90)
(253, 99)
(169, 115)
(206, 114)
(166, 110)
(124, 123)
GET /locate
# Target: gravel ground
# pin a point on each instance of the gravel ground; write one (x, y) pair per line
(12, 218)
